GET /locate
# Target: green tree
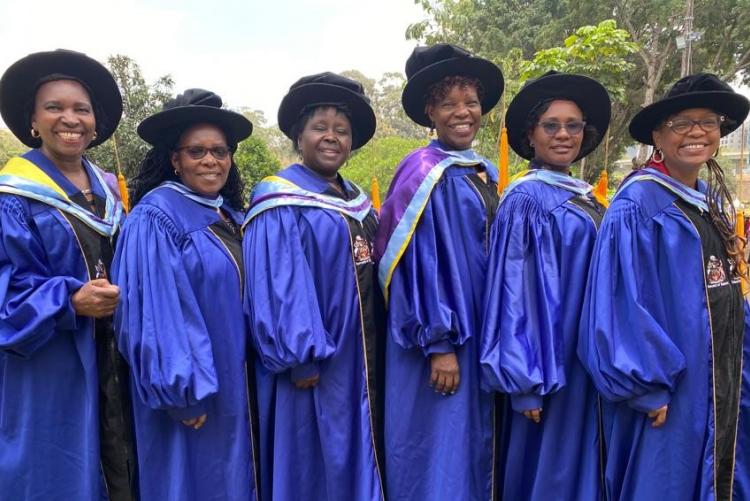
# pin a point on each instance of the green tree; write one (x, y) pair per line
(9, 147)
(255, 161)
(140, 100)
(493, 28)
(278, 144)
(378, 158)
(600, 52)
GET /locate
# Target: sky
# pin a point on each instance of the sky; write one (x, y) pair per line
(249, 52)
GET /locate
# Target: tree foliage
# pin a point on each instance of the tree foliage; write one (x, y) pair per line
(140, 100)
(379, 158)
(9, 147)
(497, 28)
(255, 161)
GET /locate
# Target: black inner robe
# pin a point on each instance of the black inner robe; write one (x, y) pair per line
(116, 437)
(725, 299)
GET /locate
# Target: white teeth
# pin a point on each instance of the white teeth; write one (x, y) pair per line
(694, 146)
(462, 127)
(70, 135)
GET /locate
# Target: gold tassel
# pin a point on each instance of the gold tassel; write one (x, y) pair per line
(600, 190)
(504, 180)
(121, 183)
(375, 194)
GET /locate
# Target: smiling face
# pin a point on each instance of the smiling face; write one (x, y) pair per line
(457, 117)
(325, 141)
(64, 117)
(687, 152)
(206, 175)
(560, 149)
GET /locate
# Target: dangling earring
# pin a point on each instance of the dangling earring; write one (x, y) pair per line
(34, 133)
(176, 173)
(95, 136)
(660, 159)
(432, 130)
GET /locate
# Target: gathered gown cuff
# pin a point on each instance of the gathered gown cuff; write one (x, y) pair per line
(305, 371)
(190, 412)
(650, 401)
(68, 319)
(443, 346)
(525, 402)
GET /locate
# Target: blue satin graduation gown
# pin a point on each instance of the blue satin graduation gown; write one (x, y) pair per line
(49, 381)
(440, 447)
(646, 340)
(307, 316)
(182, 330)
(542, 239)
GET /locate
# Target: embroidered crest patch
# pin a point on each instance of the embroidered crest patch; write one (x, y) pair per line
(715, 275)
(362, 251)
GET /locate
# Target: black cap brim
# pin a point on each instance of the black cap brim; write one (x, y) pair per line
(298, 98)
(588, 94)
(19, 84)
(414, 96)
(730, 104)
(165, 127)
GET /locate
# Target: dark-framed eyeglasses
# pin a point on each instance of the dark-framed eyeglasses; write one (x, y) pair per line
(198, 152)
(683, 125)
(552, 128)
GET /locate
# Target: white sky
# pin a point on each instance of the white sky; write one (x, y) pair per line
(249, 52)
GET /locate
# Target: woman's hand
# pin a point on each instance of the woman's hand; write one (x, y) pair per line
(444, 373)
(307, 383)
(195, 423)
(659, 415)
(534, 414)
(97, 298)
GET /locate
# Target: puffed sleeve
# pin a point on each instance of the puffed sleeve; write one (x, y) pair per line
(520, 349)
(34, 301)
(623, 342)
(424, 305)
(280, 301)
(160, 327)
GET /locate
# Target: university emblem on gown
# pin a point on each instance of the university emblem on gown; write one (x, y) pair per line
(715, 275)
(362, 251)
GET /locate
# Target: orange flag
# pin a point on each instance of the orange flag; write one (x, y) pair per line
(504, 180)
(600, 190)
(375, 193)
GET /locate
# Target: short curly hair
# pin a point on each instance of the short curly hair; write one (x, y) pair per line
(437, 91)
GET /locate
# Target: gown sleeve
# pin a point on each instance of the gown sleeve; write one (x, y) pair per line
(34, 300)
(281, 302)
(161, 330)
(623, 340)
(521, 350)
(423, 310)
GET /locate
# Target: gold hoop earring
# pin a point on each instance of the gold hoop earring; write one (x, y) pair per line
(661, 156)
(34, 133)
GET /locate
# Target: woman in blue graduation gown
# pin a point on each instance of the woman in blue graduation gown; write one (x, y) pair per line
(540, 249)
(65, 421)
(180, 321)
(664, 326)
(312, 303)
(432, 247)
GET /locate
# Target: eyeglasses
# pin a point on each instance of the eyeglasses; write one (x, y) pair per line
(198, 152)
(682, 126)
(552, 128)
